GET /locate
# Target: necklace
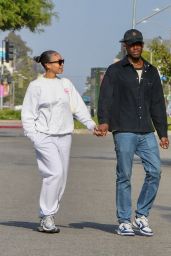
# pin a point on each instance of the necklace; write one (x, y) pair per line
(138, 64)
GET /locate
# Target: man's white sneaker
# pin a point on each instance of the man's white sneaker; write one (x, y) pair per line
(142, 224)
(47, 224)
(125, 229)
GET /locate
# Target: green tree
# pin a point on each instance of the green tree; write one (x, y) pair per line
(146, 55)
(25, 69)
(32, 14)
(20, 46)
(161, 58)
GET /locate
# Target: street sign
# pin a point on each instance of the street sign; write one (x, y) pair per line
(86, 99)
(9, 51)
(1, 90)
(2, 53)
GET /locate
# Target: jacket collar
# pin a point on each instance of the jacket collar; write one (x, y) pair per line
(125, 62)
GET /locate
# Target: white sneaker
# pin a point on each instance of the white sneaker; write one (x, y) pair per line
(47, 224)
(125, 229)
(142, 224)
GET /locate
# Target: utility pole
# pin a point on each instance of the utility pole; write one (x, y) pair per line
(134, 13)
(136, 22)
(8, 56)
(2, 77)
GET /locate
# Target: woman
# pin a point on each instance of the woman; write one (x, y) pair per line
(47, 117)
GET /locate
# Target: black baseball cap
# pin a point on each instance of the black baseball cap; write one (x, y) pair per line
(132, 36)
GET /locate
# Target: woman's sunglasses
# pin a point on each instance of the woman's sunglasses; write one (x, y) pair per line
(60, 62)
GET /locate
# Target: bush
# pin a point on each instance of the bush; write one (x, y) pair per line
(9, 114)
(78, 125)
(169, 122)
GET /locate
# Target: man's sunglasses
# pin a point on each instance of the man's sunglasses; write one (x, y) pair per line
(60, 62)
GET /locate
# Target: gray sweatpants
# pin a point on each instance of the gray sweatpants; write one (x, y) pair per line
(52, 154)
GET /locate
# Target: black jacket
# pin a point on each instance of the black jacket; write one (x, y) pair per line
(128, 105)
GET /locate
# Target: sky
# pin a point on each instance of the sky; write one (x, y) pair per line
(87, 32)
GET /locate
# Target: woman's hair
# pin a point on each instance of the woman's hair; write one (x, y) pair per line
(45, 57)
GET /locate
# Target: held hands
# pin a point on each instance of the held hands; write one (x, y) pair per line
(101, 130)
(164, 142)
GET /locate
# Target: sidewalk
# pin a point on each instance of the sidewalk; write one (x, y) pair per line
(10, 124)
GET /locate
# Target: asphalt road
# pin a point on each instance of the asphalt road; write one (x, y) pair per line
(87, 213)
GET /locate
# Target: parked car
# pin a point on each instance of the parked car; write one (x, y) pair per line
(18, 107)
(168, 110)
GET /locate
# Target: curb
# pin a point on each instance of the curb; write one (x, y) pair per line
(10, 124)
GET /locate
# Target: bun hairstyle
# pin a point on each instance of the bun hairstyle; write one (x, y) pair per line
(36, 59)
(45, 57)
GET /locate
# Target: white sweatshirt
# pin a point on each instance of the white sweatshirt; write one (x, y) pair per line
(49, 106)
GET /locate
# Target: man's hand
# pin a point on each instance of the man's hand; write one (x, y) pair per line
(101, 130)
(97, 132)
(164, 142)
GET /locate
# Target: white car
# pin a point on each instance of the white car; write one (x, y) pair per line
(168, 110)
(18, 107)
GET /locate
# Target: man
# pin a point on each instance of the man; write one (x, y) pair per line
(131, 105)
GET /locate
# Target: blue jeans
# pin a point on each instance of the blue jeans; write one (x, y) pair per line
(145, 146)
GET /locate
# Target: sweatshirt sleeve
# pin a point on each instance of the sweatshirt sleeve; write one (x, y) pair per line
(79, 109)
(29, 111)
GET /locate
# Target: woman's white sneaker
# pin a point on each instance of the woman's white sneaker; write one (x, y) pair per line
(47, 224)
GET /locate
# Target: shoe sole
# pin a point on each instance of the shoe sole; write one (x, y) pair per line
(52, 231)
(141, 231)
(125, 234)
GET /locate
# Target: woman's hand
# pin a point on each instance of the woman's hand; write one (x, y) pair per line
(101, 130)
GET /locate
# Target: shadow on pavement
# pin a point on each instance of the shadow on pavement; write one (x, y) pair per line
(23, 224)
(167, 217)
(93, 225)
(98, 226)
(166, 162)
(162, 207)
(103, 227)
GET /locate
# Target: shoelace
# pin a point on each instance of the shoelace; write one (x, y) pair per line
(127, 226)
(48, 218)
(144, 221)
